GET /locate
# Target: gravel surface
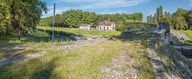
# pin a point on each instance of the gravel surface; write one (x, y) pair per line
(120, 68)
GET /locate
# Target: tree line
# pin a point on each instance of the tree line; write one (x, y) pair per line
(179, 20)
(74, 18)
(20, 15)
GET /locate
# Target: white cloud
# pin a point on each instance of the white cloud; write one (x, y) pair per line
(93, 4)
(76, 1)
(105, 4)
(97, 4)
(112, 12)
(110, 4)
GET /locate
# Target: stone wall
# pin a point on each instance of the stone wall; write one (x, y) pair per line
(175, 64)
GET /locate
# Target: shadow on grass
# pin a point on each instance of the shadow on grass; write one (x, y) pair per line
(188, 43)
(58, 36)
(13, 54)
(9, 53)
(45, 71)
(142, 34)
(32, 69)
(41, 36)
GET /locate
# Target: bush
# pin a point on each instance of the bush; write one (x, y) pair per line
(129, 25)
(2, 30)
(120, 27)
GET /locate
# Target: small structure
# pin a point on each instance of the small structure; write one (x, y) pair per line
(106, 25)
(85, 27)
(163, 30)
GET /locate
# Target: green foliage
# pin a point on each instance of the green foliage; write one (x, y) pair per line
(152, 19)
(188, 33)
(3, 30)
(147, 75)
(130, 25)
(74, 18)
(120, 26)
(4, 17)
(180, 20)
(159, 11)
(180, 23)
(21, 15)
(189, 19)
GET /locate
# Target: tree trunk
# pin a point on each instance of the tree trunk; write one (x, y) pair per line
(19, 37)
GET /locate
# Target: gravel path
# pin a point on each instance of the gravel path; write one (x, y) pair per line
(120, 68)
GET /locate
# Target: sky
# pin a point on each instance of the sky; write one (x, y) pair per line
(147, 7)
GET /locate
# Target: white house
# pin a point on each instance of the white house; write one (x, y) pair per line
(85, 27)
(106, 25)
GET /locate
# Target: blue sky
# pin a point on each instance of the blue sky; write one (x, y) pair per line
(147, 7)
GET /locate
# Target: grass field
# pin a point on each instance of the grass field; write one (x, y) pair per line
(189, 34)
(83, 32)
(32, 58)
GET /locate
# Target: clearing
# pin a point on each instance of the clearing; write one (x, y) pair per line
(113, 56)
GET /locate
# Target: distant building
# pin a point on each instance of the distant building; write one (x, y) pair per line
(106, 25)
(85, 27)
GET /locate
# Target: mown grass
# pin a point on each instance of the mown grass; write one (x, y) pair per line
(82, 32)
(189, 34)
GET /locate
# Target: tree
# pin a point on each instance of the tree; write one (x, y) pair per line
(150, 19)
(167, 18)
(74, 18)
(189, 19)
(179, 21)
(155, 19)
(21, 15)
(25, 14)
(159, 11)
(4, 17)
(137, 16)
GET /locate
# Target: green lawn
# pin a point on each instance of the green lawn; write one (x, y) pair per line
(35, 58)
(83, 32)
(189, 34)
